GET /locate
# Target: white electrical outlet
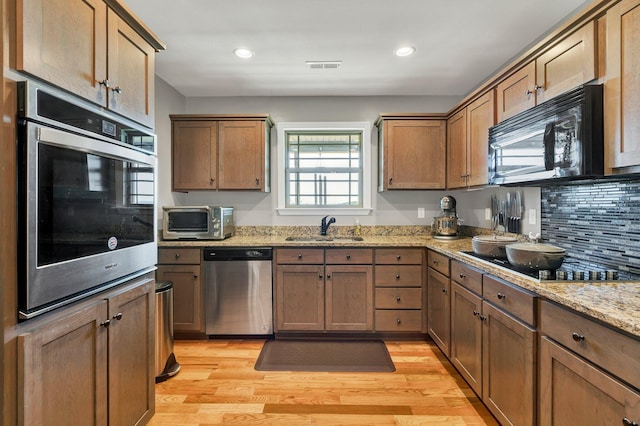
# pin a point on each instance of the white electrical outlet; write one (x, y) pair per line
(420, 212)
(532, 216)
(487, 213)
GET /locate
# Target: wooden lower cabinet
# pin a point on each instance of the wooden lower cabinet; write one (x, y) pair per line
(466, 335)
(439, 310)
(349, 297)
(93, 364)
(183, 268)
(509, 367)
(574, 391)
(299, 298)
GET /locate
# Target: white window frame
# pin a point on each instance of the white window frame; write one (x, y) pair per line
(359, 126)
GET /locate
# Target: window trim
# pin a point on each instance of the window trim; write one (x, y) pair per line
(359, 126)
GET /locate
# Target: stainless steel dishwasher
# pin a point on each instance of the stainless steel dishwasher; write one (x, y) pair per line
(238, 291)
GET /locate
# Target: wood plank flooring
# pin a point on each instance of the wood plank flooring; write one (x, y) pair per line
(218, 385)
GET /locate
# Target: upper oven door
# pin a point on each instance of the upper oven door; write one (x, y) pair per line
(86, 212)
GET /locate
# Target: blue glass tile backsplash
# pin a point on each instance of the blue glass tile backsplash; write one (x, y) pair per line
(596, 222)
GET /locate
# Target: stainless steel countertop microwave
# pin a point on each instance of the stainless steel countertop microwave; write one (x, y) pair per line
(197, 223)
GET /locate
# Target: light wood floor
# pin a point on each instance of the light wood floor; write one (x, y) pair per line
(218, 385)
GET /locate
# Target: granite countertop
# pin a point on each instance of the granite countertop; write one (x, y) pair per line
(614, 303)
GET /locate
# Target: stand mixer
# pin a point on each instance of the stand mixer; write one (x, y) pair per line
(445, 226)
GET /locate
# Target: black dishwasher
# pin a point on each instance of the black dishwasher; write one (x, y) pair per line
(238, 291)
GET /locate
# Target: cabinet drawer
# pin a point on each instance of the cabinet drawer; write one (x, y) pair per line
(392, 256)
(398, 276)
(609, 349)
(515, 301)
(348, 256)
(299, 256)
(398, 320)
(466, 276)
(398, 298)
(439, 262)
(179, 256)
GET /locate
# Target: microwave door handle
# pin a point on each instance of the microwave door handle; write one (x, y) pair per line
(549, 145)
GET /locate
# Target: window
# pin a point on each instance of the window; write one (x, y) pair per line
(324, 168)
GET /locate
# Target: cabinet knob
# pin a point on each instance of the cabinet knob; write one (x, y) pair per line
(397, 276)
(482, 317)
(501, 296)
(117, 90)
(463, 276)
(398, 321)
(328, 276)
(104, 83)
(105, 323)
(626, 421)
(319, 275)
(177, 256)
(435, 262)
(528, 92)
(397, 298)
(476, 313)
(118, 316)
(444, 290)
(211, 180)
(538, 87)
(577, 337)
(398, 257)
(390, 181)
(195, 275)
(257, 181)
(300, 256)
(348, 256)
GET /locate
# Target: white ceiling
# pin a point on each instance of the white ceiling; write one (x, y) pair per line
(459, 43)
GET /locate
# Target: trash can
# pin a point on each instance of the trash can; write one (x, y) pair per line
(166, 364)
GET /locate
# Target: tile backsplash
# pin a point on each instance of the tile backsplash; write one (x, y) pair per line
(596, 222)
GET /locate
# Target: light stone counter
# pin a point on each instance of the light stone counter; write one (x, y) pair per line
(614, 303)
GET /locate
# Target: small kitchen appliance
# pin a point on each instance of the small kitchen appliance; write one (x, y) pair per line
(445, 226)
(197, 223)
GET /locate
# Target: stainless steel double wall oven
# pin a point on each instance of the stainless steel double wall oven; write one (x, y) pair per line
(86, 199)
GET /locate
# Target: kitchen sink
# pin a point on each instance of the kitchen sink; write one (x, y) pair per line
(323, 238)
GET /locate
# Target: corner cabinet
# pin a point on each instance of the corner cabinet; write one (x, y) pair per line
(220, 152)
(93, 362)
(412, 151)
(468, 141)
(96, 49)
(622, 88)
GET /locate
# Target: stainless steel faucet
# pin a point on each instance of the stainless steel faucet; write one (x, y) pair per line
(324, 225)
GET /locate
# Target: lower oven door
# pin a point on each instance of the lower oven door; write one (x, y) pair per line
(86, 215)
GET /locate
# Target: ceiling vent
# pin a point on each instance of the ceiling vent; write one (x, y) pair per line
(324, 65)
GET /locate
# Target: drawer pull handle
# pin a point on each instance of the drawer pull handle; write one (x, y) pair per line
(348, 256)
(628, 422)
(397, 298)
(577, 337)
(501, 296)
(398, 321)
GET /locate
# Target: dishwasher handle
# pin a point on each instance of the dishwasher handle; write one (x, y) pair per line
(213, 254)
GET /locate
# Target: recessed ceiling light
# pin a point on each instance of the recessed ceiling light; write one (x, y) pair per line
(243, 53)
(405, 51)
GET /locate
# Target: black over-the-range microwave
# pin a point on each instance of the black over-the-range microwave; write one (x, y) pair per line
(558, 140)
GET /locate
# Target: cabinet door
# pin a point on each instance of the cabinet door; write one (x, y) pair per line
(130, 72)
(622, 87)
(349, 297)
(516, 93)
(415, 154)
(187, 295)
(568, 64)
(63, 373)
(481, 115)
(573, 391)
(439, 310)
(64, 42)
(132, 355)
(194, 155)
(509, 354)
(242, 152)
(299, 297)
(457, 150)
(466, 335)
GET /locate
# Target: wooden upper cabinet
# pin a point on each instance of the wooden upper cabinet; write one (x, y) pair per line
(194, 151)
(468, 143)
(516, 93)
(570, 62)
(221, 152)
(131, 72)
(241, 148)
(567, 64)
(622, 88)
(85, 47)
(413, 153)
